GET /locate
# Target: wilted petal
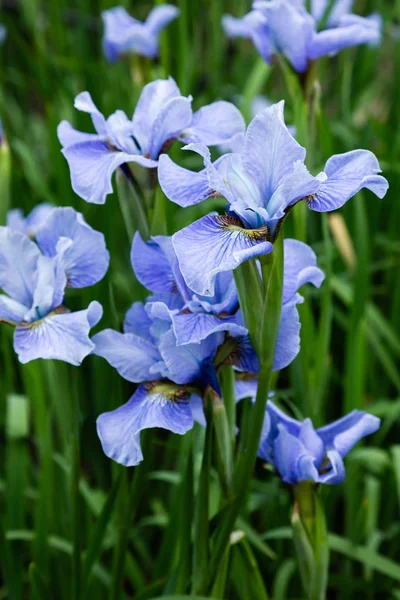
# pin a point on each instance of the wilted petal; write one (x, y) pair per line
(212, 245)
(214, 124)
(18, 259)
(61, 336)
(151, 266)
(85, 257)
(131, 355)
(192, 328)
(92, 165)
(347, 174)
(343, 434)
(119, 430)
(300, 267)
(269, 163)
(160, 16)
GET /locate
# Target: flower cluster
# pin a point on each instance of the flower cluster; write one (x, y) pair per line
(175, 343)
(285, 26)
(68, 253)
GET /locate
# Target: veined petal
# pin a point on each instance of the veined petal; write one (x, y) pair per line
(92, 165)
(119, 430)
(152, 100)
(180, 185)
(85, 259)
(151, 266)
(61, 336)
(268, 164)
(137, 321)
(343, 434)
(174, 117)
(132, 356)
(214, 124)
(11, 311)
(18, 260)
(347, 174)
(160, 16)
(68, 136)
(192, 328)
(300, 267)
(84, 103)
(211, 245)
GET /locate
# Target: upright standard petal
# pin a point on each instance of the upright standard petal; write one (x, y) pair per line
(269, 163)
(83, 255)
(18, 260)
(214, 124)
(160, 16)
(31, 224)
(174, 117)
(132, 356)
(60, 335)
(137, 321)
(92, 165)
(119, 430)
(346, 175)
(84, 103)
(214, 244)
(288, 342)
(118, 26)
(180, 185)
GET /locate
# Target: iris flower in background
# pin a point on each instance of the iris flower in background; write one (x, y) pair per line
(34, 278)
(285, 26)
(124, 35)
(162, 115)
(31, 224)
(301, 453)
(261, 185)
(177, 337)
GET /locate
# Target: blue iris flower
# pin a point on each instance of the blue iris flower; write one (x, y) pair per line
(34, 277)
(286, 27)
(261, 185)
(162, 115)
(31, 224)
(123, 34)
(301, 453)
(174, 339)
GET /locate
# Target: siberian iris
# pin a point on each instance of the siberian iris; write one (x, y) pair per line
(261, 184)
(285, 26)
(34, 277)
(161, 116)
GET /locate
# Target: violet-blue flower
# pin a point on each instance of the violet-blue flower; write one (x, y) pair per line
(34, 277)
(30, 224)
(301, 453)
(261, 185)
(161, 116)
(124, 35)
(285, 26)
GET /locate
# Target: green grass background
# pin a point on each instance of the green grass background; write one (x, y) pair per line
(72, 523)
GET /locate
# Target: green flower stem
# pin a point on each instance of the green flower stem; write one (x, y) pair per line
(263, 332)
(311, 539)
(227, 381)
(223, 441)
(159, 224)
